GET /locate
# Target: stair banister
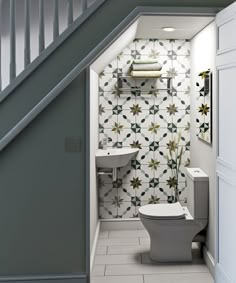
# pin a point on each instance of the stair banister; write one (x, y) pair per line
(12, 40)
(70, 12)
(55, 19)
(27, 50)
(41, 26)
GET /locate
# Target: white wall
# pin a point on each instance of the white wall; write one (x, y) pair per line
(115, 48)
(203, 154)
(93, 148)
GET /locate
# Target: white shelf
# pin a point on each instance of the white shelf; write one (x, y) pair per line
(138, 89)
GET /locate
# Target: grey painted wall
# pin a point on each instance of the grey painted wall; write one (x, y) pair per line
(42, 196)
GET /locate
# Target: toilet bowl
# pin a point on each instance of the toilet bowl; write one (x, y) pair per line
(172, 227)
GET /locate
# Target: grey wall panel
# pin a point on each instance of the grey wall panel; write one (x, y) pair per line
(42, 195)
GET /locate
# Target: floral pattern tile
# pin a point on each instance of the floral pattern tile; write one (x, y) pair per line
(163, 47)
(108, 210)
(146, 101)
(111, 68)
(181, 64)
(106, 100)
(145, 155)
(181, 83)
(126, 192)
(124, 62)
(128, 50)
(181, 47)
(145, 192)
(148, 120)
(107, 192)
(182, 100)
(144, 47)
(127, 210)
(108, 82)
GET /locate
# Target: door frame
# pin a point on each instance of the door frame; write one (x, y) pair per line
(125, 24)
(224, 170)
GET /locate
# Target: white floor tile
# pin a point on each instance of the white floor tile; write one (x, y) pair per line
(118, 242)
(128, 234)
(191, 267)
(179, 278)
(101, 250)
(128, 249)
(118, 279)
(98, 270)
(145, 241)
(118, 259)
(103, 234)
(123, 256)
(138, 269)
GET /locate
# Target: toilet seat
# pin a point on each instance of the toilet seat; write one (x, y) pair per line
(165, 211)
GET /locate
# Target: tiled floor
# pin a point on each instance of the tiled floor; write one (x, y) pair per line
(123, 256)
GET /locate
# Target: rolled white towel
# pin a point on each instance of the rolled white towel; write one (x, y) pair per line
(147, 67)
(146, 74)
(145, 61)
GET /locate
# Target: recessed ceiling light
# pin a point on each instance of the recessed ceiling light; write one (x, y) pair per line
(168, 29)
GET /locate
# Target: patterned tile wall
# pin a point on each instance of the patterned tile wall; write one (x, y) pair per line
(149, 121)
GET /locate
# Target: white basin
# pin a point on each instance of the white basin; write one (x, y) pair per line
(115, 157)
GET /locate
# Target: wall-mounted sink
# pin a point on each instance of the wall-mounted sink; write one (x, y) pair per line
(115, 157)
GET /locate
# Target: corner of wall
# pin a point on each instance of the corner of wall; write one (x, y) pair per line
(93, 147)
(203, 154)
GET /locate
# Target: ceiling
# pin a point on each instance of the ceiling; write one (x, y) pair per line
(151, 27)
(186, 27)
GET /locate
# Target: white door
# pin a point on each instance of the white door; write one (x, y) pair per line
(226, 155)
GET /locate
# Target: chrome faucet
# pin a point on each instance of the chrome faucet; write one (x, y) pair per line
(103, 143)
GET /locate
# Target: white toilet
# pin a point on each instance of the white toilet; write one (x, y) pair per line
(172, 227)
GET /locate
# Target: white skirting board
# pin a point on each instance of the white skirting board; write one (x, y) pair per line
(93, 251)
(80, 278)
(209, 261)
(121, 224)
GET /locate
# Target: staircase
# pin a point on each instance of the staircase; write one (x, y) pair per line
(29, 29)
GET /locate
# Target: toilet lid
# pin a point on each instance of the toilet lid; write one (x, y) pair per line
(163, 211)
